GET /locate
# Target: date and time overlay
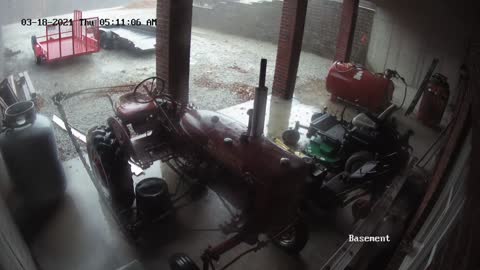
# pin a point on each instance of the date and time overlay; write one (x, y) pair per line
(88, 22)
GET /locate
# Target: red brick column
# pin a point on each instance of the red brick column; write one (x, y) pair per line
(347, 30)
(174, 28)
(289, 47)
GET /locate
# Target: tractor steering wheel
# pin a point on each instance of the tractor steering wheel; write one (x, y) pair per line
(154, 88)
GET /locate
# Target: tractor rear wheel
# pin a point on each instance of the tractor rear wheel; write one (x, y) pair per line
(110, 166)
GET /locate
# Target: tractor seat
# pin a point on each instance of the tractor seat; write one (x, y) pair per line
(130, 110)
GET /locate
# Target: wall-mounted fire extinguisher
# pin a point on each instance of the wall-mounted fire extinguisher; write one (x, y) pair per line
(434, 101)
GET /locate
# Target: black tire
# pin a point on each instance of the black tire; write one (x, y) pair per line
(356, 160)
(152, 197)
(110, 166)
(291, 137)
(294, 240)
(181, 261)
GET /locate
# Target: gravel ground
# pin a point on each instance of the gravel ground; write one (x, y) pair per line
(224, 70)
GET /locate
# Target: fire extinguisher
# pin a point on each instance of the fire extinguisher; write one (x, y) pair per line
(434, 101)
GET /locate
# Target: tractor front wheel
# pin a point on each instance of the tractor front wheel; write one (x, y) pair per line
(294, 240)
(110, 166)
(182, 261)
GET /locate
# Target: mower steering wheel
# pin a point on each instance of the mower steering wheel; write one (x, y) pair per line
(152, 87)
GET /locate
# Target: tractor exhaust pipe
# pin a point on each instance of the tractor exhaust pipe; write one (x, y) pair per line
(256, 121)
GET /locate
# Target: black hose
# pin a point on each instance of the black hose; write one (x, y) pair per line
(212, 265)
(94, 90)
(405, 93)
(437, 140)
(343, 113)
(238, 257)
(224, 202)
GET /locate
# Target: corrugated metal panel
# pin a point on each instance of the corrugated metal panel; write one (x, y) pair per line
(443, 214)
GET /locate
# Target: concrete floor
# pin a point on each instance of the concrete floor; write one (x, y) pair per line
(83, 235)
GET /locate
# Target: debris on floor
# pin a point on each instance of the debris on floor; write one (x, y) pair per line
(237, 68)
(16, 88)
(243, 91)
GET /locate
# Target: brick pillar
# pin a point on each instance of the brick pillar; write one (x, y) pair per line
(289, 47)
(347, 30)
(174, 28)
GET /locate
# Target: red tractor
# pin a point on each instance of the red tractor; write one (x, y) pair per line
(200, 142)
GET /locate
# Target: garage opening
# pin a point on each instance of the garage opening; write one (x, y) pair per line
(231, 134)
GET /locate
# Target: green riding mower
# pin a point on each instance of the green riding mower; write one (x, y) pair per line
(348, 156)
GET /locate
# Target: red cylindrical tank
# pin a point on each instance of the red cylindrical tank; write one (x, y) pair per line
(354, 83)
(434, 101)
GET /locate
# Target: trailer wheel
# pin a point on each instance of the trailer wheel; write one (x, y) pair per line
(294, 240)
(38, 59)
(34, 41)
(182, 261)
(110, 166)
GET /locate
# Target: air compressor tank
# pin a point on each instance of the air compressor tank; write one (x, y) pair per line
(434, 101)
(355, 84)
(27, 144)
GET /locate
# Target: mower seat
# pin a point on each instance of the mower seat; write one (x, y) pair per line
(131, 111)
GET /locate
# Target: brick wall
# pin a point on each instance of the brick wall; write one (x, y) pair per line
(262, 21)
(289, 47)
(174, 27)
(163, 34)
(346, 30)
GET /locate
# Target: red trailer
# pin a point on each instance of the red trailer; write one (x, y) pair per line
(68, 38)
